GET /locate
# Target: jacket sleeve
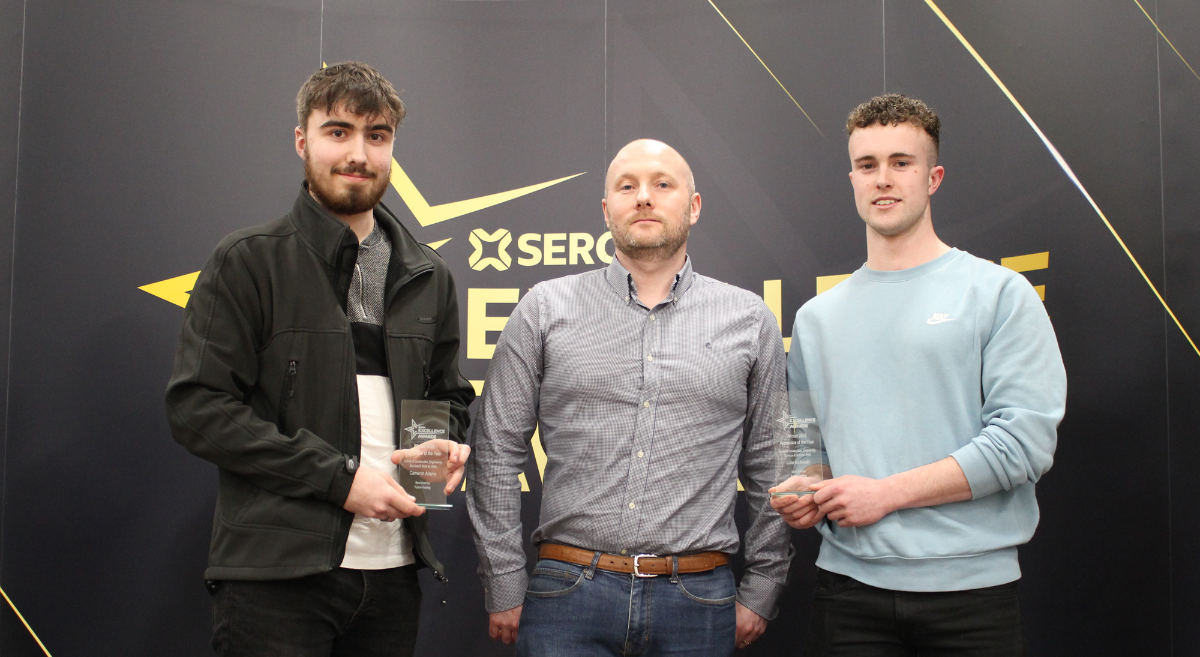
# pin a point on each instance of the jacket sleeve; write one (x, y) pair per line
(768, 548)
(1024, 389)
(216, 368)
(446, 383)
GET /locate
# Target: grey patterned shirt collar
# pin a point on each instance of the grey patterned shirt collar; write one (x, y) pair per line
(622, 283)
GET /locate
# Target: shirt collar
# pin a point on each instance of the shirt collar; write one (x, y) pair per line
(621, 281)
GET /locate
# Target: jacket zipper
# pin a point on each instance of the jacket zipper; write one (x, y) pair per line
(285, 397)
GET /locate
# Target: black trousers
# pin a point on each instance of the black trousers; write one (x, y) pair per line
(852, 618)
(339, 613)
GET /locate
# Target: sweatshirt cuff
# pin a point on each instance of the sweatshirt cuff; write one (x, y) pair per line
(760, 595)
(979, 473)
(503, 592)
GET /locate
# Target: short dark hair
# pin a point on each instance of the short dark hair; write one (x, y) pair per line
(894, 109)
(357, 86)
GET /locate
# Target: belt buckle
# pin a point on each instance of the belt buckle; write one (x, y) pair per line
(638, 573)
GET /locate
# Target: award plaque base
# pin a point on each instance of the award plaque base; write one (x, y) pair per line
(785, 493)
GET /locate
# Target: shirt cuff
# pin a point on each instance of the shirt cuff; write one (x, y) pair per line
(760, 595)
(979, 473)
(503, 592)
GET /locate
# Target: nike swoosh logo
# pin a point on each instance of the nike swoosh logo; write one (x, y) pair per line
(932, 321)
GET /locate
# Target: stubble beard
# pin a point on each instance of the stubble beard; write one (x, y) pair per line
(657, 249)
(903, 226)
(354, 200)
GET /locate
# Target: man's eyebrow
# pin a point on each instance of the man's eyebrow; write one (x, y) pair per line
(864, 158)
(901, 154)
(334, 123)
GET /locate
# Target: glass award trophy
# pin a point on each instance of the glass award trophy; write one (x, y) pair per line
(800, 459)
(425, 450)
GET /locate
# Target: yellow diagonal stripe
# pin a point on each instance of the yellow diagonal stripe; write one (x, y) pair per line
(23, 622)
(764, 64)
(174, 290)
(1027, 262)
(1160, 33)
(428, 215)
(826, 283)
(1062, 163)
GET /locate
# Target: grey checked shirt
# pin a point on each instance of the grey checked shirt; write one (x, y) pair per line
(644, 415)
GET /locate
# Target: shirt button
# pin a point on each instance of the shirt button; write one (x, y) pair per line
(649, 357)
(645, 404)
(652, 318)
(632, 505)
(624, 551)
(640, 454)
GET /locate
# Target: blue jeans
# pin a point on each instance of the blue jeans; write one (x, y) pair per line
(343, 612)
(572, 610)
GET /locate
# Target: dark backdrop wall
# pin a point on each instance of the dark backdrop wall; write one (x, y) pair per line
(133, 135)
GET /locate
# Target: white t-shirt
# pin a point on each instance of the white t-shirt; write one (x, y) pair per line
(374, 544)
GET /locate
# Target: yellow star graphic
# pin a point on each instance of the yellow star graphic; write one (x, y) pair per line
(176, 289)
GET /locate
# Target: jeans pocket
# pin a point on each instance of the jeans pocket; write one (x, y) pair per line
(714, 587)
(552, 579)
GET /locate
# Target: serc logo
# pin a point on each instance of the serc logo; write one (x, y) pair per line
(538, 249)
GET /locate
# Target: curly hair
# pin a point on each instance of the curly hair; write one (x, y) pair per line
(357, 86)
(894, 109)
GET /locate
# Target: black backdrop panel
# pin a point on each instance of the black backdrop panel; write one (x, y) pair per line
(149, 130)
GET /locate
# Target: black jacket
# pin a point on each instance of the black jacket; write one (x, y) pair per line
(264, 383)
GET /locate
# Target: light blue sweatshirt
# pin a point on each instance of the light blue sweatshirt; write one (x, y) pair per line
(955, 357)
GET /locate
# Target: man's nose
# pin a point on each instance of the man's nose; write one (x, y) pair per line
(643, 197)
(358, 150)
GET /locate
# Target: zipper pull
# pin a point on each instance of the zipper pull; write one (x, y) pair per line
(291, 373)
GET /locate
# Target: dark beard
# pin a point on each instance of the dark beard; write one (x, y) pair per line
(351, 202)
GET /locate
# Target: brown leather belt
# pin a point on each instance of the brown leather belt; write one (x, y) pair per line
(642, 565)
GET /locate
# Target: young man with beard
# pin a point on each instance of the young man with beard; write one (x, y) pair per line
(300, 340)
(938, 387)
(649, 383)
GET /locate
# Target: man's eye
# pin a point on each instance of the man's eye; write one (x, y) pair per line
(337, 133)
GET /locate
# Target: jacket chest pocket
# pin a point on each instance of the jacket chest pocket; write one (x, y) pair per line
(286, 393)
(410, 365)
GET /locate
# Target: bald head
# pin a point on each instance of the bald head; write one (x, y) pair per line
(649, 152)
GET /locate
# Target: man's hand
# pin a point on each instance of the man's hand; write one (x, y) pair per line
(750, 626)
(798, 511)
(375, 494)
(449, 470)
(502, 625)
(855, 501)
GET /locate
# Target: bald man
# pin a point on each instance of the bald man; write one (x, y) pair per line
(649, 383)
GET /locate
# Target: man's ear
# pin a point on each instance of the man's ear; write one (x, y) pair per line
(695, 208)
(935, 178)
(604, 210)
(301, 141)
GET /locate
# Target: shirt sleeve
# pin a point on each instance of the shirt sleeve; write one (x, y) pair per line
(1024, 387)
(768, 548)
(500, 438)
